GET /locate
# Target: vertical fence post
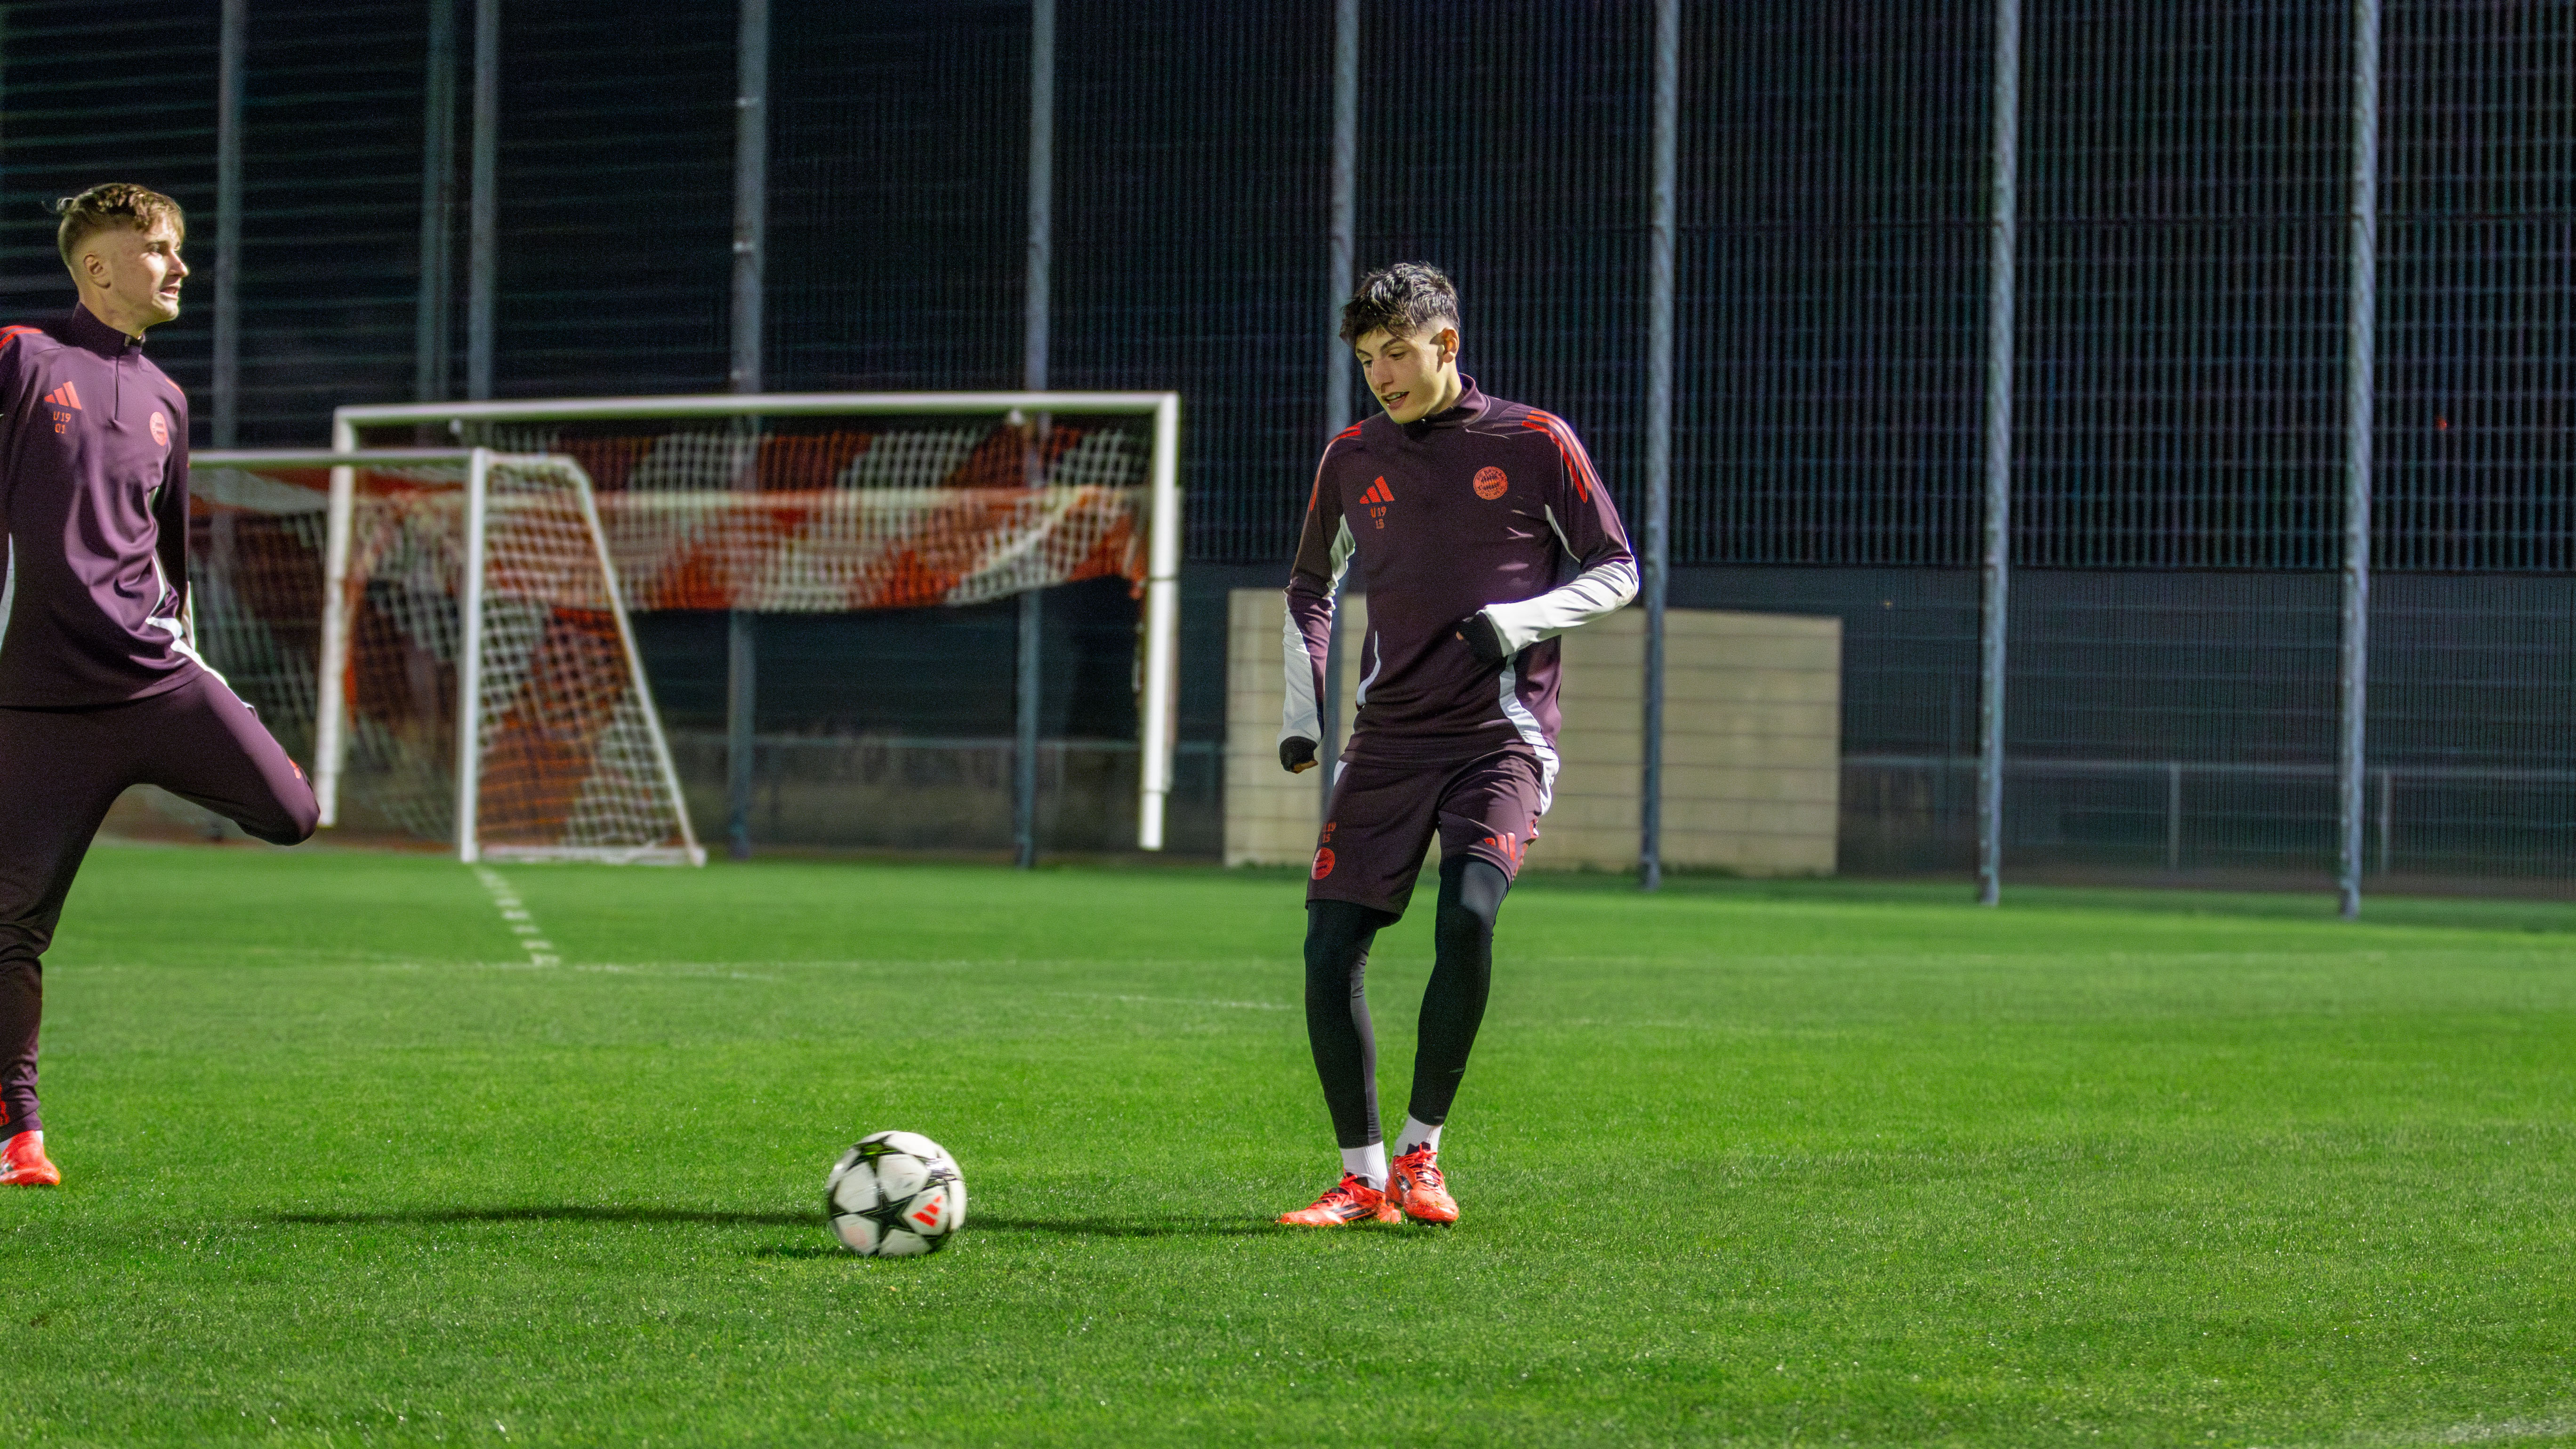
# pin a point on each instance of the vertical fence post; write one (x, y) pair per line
(433, 317)
(2362, 347)
(1342, 244)
(1659, 438)
(1999, 386)
(743, 374)
(2387, 819)
(1024, 754)
(233, 38)
(483, 206)
(2173, 815)
(750, 191)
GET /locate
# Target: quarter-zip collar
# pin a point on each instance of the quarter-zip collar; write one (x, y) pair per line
(1470, 406)
(85, 331)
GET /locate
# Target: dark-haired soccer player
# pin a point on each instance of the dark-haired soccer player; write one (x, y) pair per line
(99, 685)
(1479, 532)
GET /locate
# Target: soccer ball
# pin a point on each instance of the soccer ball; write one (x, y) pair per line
(895, 1195)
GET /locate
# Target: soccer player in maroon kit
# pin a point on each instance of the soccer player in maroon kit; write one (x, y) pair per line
(100, 684)
(1479, 531)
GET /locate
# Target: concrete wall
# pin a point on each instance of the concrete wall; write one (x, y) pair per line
(1752, 744)
(1752, 741)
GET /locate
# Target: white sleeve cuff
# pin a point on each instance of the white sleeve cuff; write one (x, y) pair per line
(1597, 591)
(1302, 717)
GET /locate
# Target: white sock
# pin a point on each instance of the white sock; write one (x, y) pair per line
(1368, 1164)
(1417, 1133)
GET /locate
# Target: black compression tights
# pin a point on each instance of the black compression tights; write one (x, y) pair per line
(1338, 934)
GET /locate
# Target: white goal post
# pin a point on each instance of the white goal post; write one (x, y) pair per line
(494, 566)
(1157, 724)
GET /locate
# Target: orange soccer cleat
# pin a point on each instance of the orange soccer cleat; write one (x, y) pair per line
(1349, 1201)
(23, 1164)
(1418, 1190)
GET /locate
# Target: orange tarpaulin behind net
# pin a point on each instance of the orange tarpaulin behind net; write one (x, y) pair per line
(887, 518)
(833, 549)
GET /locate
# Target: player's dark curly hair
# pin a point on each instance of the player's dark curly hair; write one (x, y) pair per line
(1406, 299)
(102, 208)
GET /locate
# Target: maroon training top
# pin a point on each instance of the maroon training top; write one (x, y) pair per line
(94, 498)
(1490, 506)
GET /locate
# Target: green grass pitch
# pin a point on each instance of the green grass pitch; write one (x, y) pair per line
(1740, 1164)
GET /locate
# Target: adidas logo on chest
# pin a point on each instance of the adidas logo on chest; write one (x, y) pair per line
(64, 401)
(1376, 500)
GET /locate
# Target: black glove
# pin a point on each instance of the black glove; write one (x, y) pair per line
(1297, 754)
(1483, 638)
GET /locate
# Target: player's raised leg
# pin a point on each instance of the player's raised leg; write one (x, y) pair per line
(205, 744)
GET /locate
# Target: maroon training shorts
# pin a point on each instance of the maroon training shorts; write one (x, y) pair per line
(1383, 814)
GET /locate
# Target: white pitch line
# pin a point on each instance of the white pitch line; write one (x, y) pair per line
(515, 915)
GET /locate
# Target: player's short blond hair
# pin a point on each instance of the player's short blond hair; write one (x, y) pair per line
(104, 208)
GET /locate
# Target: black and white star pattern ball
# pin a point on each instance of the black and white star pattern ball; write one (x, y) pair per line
(895, 1195)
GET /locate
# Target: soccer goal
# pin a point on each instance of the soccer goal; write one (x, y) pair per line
(831, 502)
(440, 632)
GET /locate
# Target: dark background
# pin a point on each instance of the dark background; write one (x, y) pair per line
(2185, 185)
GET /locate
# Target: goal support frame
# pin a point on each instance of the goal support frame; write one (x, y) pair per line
(1158, 722)
(330, 702)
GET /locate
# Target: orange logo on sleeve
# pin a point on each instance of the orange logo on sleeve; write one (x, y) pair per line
(1491, 483)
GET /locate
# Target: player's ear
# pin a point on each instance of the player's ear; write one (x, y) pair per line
(1448, 345)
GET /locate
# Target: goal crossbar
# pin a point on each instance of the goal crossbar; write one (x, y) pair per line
(1158, 722)
(330, 701)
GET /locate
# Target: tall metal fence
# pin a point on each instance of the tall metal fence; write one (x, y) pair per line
(2185, 206)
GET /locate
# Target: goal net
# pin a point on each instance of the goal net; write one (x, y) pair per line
(441, 634)
(828, 503)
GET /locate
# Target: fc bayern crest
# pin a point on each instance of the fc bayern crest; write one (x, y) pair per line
(1491, 484)
(160, 430)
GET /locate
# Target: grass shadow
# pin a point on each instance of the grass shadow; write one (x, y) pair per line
(980, 1222)
(1129, 1228)
(1073, 1228)
(559, 1214)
